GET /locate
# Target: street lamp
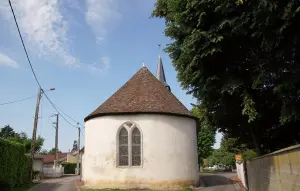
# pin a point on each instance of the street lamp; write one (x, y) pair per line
(51, 89)
(35, 126)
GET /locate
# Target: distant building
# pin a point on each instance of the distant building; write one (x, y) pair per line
(141, 137)
(69, 157)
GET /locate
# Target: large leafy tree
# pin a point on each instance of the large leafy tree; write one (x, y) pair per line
(205, 135)
(241, 59)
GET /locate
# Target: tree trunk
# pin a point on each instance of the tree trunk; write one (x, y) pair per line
(256, 141)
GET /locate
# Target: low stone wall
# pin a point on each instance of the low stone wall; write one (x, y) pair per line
(277, 171)
(53, 172)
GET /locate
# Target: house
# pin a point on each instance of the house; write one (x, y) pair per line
(38, 163)
(67, 157)
(141, 137)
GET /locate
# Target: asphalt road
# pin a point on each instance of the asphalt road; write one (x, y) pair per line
(213, 182)
(218, 181)
(57, 184)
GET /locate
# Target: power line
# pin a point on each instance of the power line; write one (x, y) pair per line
(36, 79)
(58, 111)
(69, 117)
(17, 100)
(12, 10)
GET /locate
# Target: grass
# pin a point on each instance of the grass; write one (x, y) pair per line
(85, 189)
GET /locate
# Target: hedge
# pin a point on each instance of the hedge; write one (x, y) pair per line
(14, 164)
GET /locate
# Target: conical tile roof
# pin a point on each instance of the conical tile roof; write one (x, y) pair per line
(142, 93)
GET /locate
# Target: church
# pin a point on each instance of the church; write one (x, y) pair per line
(141, 137)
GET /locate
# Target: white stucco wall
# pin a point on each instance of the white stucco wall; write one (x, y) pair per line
(169, 152)
(38, 165)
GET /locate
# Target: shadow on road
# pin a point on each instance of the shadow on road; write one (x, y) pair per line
(46, 186)
(210, 180)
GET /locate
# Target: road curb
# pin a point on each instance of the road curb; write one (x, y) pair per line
(237, 186)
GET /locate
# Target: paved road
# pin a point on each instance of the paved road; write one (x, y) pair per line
(218, 181)
(57, 184)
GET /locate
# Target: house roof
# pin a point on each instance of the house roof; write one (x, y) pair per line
(142, 93)
(51, 158)
(82, 150)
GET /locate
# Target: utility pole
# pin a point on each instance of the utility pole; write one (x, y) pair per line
(78, 148)
(56, 140)
(34, 130)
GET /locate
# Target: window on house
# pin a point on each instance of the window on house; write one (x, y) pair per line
(123, 147)
(129, 145)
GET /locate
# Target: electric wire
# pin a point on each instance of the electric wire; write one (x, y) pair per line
(32, 70)
(11, 102)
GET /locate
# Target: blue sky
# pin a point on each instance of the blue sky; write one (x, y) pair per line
(85, 49)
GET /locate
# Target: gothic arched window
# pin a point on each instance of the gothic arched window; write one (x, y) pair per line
(136, 147)
(130, 145)
(123, 147)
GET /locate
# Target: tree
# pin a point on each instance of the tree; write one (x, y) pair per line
(205, 135)
(44, 152)
(6, 132)
(23, 139)
(229, 147)
(53, 151)
(241, 60)
(75, 146)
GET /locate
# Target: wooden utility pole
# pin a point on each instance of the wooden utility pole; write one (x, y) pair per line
(36, 117)
(56, 140)
(78, 148)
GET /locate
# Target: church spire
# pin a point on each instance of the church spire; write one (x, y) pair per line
(160, 73)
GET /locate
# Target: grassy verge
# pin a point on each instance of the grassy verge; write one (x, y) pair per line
(84, 189)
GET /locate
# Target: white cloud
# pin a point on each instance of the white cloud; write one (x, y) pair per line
(102, 67)
(7, 61)
(101, 15)
(43, 26)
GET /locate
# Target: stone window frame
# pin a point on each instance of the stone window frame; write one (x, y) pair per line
(129, 130)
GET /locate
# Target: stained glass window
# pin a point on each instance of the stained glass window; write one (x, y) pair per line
(123, 147)
(136, 147)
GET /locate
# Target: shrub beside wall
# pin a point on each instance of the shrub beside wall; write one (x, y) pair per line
(69, 168)
(14, 164)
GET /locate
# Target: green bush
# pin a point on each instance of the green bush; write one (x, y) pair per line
(14, 164)
(249, 154)
(69, 168)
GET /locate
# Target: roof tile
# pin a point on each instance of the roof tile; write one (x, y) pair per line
(142, 93)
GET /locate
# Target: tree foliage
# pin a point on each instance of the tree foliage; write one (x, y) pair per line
(52, 151)
(229, 147)
(8, 133)
(14, 164)
(44, 152)
(75, 146)
(205, 136)
(241, 60)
